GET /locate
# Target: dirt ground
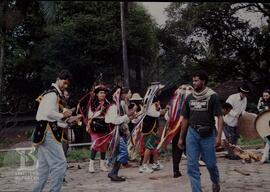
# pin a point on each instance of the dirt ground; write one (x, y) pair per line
(254, 177)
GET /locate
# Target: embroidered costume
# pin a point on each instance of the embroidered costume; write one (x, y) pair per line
(118, 145)
(48, 135)
(97, 127)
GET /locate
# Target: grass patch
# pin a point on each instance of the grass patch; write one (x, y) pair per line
(9, 159)
(13, 159)
(79, 154)
(250, 142)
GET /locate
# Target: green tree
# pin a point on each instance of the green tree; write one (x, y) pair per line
(85, 38)
(87, 41)
(213, 37)
(20, 27)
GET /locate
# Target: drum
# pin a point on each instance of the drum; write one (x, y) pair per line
(262, 124)
(246, 126)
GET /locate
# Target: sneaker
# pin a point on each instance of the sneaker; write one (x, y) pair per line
(157, 166)
(145, 169)
(216, 187)
(160, 165)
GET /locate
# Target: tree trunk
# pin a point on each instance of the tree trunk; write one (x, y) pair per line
(1, 76)
(124, 45)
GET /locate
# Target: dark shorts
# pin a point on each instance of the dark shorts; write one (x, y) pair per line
(150, 141)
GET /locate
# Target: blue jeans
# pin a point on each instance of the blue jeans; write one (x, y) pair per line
(122, 155)
(51, 160)
(204, 147)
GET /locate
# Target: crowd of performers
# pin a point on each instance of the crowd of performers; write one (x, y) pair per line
(123, 121)
(122, 126)
(125, 126)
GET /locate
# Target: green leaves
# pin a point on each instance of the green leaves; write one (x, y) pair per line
(82, 36)
(212, 36)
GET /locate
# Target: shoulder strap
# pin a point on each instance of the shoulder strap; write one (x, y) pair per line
(59, 98)
(49, 90)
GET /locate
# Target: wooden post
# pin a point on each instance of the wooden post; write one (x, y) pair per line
(124, 45)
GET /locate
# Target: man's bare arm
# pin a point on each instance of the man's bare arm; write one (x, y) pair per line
(219, 130)
(183, 132)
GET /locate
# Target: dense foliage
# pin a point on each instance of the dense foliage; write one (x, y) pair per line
(212, 36)
(85, 37)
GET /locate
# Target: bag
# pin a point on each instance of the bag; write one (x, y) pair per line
(38, 134)
(99, 126)
(204, 131)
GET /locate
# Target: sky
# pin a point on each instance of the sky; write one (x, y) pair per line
(156, 9)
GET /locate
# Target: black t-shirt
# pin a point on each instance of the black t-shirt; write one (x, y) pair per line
(202, 112)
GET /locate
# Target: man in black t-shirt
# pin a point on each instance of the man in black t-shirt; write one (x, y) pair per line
(199, 113)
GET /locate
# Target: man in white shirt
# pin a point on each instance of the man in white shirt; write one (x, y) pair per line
(238, 102)
(48, 135)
